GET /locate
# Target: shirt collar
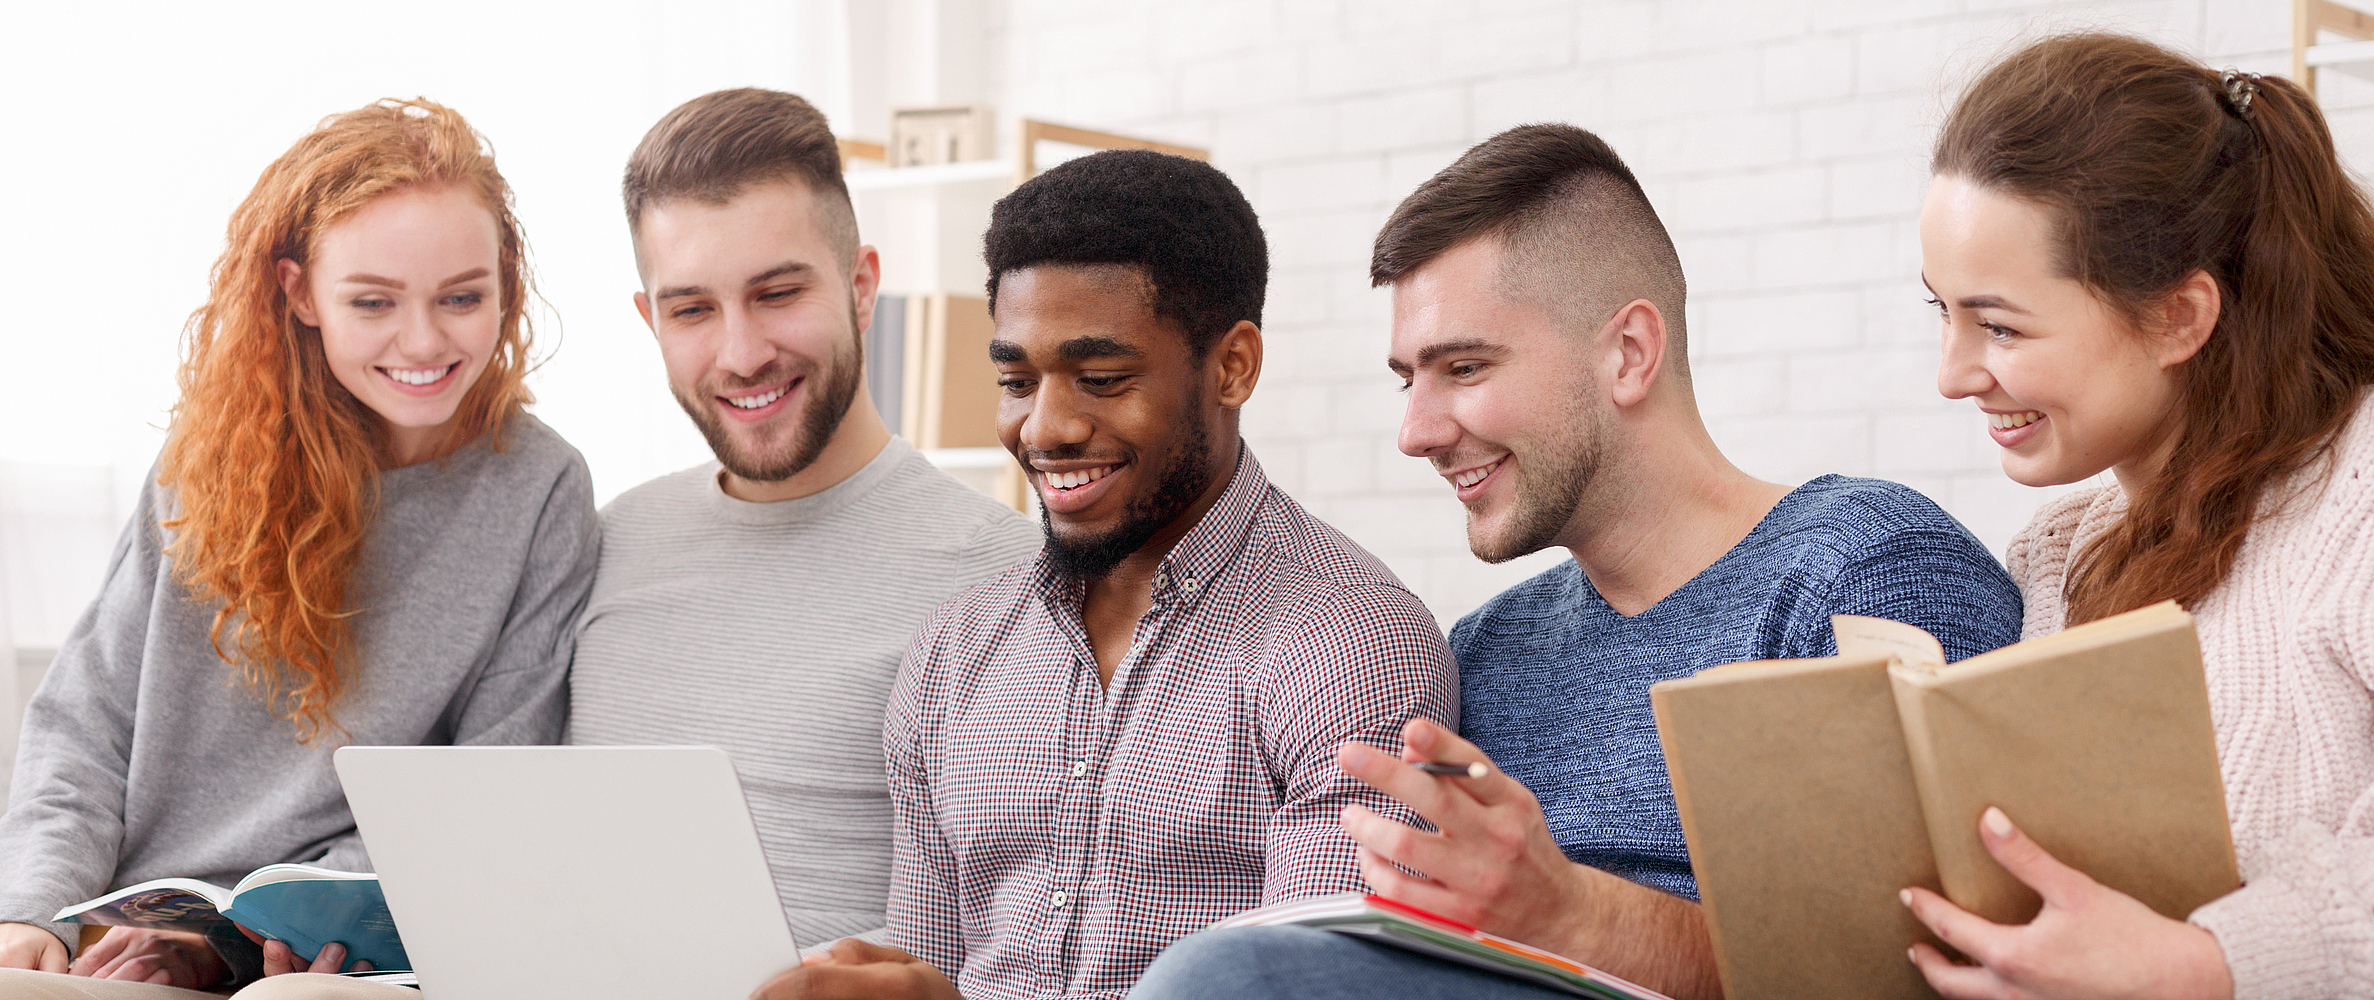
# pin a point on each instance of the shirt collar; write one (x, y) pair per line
(1190, 567)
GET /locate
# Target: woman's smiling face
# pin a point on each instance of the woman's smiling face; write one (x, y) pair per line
(407, 295)
(2069, 387)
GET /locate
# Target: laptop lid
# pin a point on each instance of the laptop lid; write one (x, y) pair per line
(586, 872)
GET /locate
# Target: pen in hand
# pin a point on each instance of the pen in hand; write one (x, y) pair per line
(1477, 769)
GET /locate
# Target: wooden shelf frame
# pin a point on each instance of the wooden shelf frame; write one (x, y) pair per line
(1032, 132)
(2313, 17)
(1020, 164)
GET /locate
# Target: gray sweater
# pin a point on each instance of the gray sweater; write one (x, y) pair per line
(773, 631)
(142, 756)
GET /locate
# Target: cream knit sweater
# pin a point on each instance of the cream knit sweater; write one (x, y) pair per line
(2288, 644)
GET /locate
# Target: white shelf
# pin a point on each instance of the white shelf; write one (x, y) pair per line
(968, 458)
(2353, 58)
(890, 178)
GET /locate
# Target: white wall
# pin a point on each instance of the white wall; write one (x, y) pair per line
(1783, 141)
(1785, 145)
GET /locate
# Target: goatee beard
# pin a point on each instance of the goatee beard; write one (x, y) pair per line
(1186, 476)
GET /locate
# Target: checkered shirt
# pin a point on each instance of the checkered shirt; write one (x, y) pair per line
(1055, 834)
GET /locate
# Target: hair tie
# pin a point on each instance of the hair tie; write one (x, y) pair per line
(2240, 88)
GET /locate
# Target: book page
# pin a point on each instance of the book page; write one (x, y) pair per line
(1794, 790)
(270, 874)
(1861, 636)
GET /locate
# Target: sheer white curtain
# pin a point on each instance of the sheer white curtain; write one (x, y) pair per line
(11, 703)
(58, 523)
(144, 123)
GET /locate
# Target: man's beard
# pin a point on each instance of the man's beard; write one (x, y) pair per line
(1184, 478)
(1549, 487)
(830, 389)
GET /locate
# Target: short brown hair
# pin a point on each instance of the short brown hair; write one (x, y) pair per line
(1560, 201)
(716, 145)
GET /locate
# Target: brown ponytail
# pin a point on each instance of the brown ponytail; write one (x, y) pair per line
(2153, 173)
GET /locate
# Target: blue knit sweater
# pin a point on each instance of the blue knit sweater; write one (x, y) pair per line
(1554, 684)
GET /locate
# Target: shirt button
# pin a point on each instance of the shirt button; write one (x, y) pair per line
(1079, 769)
(1061, 899)
(1188, 583)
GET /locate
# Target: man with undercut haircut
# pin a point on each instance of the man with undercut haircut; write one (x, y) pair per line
(1537, 326)
(1135, 734)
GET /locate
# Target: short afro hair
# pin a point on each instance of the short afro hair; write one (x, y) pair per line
(1181, 221)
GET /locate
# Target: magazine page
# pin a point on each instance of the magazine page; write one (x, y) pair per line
(182, 904)
(270, 874)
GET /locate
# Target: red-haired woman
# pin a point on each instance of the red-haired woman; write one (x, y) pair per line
(355, 535)
(2156, 270)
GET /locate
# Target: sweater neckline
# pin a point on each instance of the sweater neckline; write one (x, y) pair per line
(821, 503)
(1590, 591)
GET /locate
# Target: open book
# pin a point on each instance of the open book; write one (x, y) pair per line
(1404, 926)
(1812, 791)
(305, 906)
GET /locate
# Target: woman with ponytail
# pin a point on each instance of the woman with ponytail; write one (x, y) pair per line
(355, 535)
(2153, 269)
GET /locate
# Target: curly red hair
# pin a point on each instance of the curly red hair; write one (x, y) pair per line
(273, 465)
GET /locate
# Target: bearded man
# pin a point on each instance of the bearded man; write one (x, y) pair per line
(1135, 734)
(760, 602)
(1538, 333)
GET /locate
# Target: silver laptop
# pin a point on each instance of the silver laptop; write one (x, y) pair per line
(586, 872)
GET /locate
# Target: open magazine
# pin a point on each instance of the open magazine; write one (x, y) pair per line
(1404, 926)
(305, 906)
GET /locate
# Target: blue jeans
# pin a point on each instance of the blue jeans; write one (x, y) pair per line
(1303, 963)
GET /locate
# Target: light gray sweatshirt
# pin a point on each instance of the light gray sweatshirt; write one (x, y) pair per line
(143, 757)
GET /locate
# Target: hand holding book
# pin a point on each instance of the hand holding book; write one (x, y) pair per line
(2089, 940)
(280, 959)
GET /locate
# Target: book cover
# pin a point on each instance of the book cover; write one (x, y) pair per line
(1797, 800)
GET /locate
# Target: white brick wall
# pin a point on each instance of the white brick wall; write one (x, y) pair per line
(1785, 145)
